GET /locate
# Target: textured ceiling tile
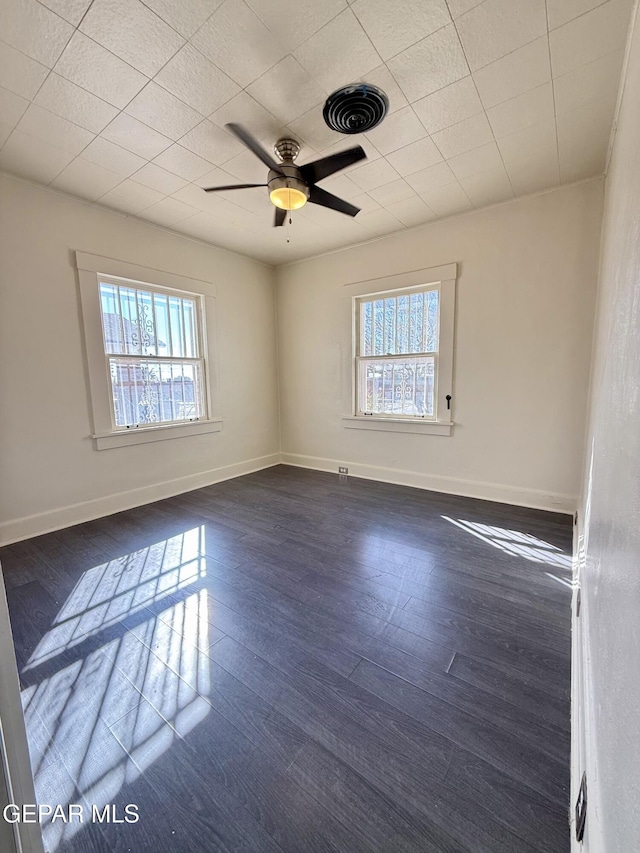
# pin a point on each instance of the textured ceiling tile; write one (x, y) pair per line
(112, 157)
(598, 79)
(185, 17)
(383, 78)
(245, 110)
(589, 37)
(562, 11)
(461, 137)
(34, 30)
(537, 140)
(133, 32)
(532, 107)
(341, 184)
(430, 64)
(296, 22)
(447, 200)
(415, 157)
(65, 99)
(489, 187)
(55, 130)
(5, 132)
(86, 180)
(461, 7)
(535, 174)
(393, 191)
(379, 222)
(163, 111)
(135, 136)
(235, 40)
(397, 130)
(95, 69)
(114, 201)
(522, 70)
(33, 158)
(287, 91)
(365, 202)
(245, 168)
(373, 175)
(157, 178)
(339, 54)
(411, 211)
(12, 107)
(138, 195)
(20, 73)
(393, 27)
(498, 27)
(183, 163)
(480, 159)
(194, 196)
(168, 211)
(196, 81)
(311, 128)
(583, 140)
(71, 10)
(432, 177)
(212, 143)
(449, 106)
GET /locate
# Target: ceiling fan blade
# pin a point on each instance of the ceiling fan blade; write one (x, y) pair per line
(232, 187)
(322, 197)
(319, 169)
(280, 217)
(253, 145)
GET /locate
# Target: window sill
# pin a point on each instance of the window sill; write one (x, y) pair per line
(397, 425)
(142, 435)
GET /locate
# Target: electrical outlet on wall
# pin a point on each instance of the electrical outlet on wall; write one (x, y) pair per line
(342, 469)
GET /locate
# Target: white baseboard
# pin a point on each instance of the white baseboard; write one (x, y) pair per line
(533, 498)
(45, 522)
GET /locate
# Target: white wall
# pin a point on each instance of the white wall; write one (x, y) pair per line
(50, 473)
(526, 290)
(606, 677)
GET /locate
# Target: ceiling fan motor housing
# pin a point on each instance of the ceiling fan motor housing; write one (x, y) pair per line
(356, 108)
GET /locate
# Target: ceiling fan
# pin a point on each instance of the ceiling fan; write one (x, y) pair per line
(291, 186)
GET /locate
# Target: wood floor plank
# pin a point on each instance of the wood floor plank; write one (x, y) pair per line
(288, 661)
(506, 752)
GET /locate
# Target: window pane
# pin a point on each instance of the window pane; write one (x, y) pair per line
(111, 319)
(146, 323)
(399, 325)
(149, 392)
(378, 327)
(431, 321)
(366, 328)
(389, 345)
(175, 321)
(402, 387)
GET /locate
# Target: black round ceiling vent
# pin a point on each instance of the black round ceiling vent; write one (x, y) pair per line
(354, 109)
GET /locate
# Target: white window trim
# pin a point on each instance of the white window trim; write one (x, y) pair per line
(444, 277)
(90, 268)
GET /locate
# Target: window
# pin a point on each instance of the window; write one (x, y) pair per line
(153, 351)
(397, 354)
(402, 353)
(149, 346)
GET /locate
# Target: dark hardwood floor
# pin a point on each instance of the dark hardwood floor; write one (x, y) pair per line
(292, 661)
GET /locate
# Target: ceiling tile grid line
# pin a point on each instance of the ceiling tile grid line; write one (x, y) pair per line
(489, 100)
(510, 192)
(553, 91)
